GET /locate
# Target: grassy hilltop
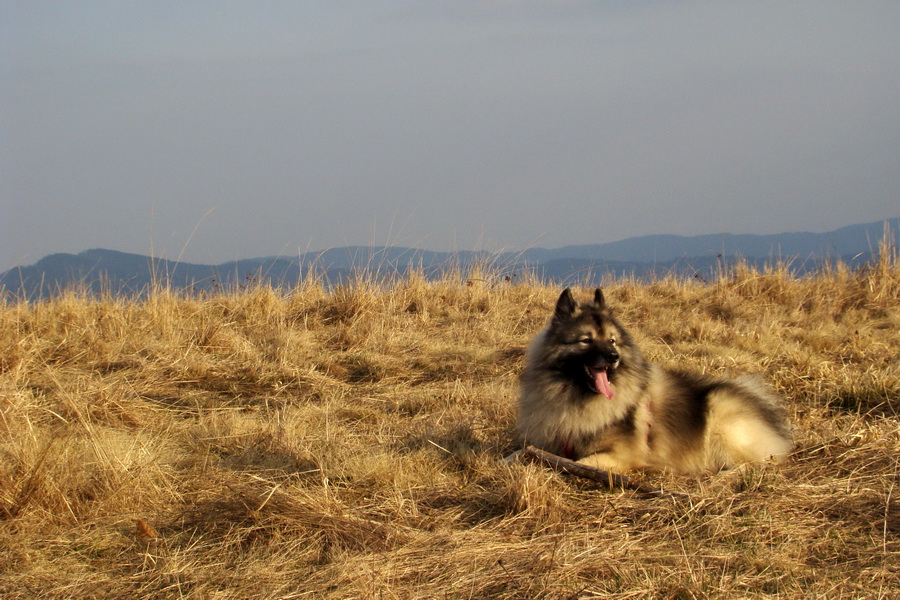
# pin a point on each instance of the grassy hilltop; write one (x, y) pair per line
(347, 443)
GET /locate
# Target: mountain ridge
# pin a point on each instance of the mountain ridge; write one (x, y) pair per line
(113, 271)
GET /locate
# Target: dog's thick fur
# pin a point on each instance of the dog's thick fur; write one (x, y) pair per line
(588, 394)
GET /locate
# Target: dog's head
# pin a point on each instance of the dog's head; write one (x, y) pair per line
(586, 338)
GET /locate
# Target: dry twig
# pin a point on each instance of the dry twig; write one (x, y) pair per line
(607, 479)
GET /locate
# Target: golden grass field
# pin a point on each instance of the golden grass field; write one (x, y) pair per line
(348, 442)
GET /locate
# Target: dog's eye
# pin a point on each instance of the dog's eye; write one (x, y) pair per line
(585, 340)
(612, 341)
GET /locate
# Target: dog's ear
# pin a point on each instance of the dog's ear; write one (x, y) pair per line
(565, 306)
(599, 300)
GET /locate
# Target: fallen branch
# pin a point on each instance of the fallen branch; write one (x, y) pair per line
(605, 478)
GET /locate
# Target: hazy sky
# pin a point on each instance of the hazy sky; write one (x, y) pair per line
(218, 130)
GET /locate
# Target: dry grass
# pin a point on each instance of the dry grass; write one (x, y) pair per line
(346, 443)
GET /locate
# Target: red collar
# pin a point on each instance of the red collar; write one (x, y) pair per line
(566, 449)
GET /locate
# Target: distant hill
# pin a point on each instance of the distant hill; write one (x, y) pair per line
(643, 257)
(846, 241)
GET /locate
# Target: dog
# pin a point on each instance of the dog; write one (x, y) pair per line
(588, 394)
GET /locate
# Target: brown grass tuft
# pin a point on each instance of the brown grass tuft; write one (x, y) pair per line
(347, 443)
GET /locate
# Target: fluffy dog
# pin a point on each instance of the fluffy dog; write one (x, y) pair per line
(588, 394)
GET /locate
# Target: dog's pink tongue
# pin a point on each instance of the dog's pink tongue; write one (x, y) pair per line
(602, 385)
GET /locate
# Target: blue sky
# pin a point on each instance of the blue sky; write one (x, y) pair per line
(210, 131)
